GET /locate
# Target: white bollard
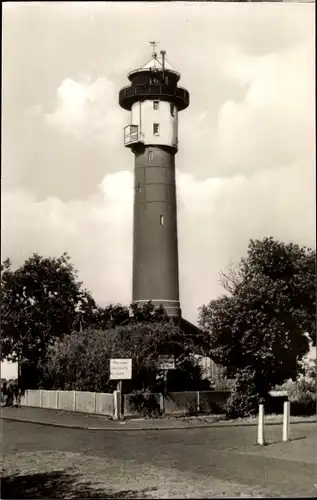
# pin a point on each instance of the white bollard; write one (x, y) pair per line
(261, 425)
(286, 421)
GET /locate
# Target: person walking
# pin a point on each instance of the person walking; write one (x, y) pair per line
(9, 394)
(17, 394)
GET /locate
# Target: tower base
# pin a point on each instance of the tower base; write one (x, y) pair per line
(172, 307)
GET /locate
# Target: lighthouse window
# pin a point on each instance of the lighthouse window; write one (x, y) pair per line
(150, 156)
(156, 129)
(156, 104)
(161, 220)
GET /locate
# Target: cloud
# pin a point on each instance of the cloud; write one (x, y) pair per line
(87, 109)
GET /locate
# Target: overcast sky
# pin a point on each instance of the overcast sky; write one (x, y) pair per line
(246, 163)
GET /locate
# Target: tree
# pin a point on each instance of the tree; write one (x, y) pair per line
(40, 301)
(260, 326)
(81, 361)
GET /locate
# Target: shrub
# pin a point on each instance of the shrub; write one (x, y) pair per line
(244, 398)
(302, 395)
(144, 403)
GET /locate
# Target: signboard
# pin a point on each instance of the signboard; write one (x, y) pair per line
(120, 369)
(166, 363)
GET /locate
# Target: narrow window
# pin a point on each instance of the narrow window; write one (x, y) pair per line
(138, 188)
(150, 156)
(156, 105)
(161, 220)
(156, 129)
(166, 80)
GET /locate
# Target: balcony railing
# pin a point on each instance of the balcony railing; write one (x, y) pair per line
(130, 94)
(131, 135)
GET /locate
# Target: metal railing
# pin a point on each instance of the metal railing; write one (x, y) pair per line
(155, 90)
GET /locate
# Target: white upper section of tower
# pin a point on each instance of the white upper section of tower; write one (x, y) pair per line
(156, 122)
(154, 100)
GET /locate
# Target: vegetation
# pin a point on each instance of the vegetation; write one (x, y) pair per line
(259, 331)
(41, 302)
(261, 328)
(81, 360)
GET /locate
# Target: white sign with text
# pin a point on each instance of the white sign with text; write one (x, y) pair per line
(120, 369)
(166, 363)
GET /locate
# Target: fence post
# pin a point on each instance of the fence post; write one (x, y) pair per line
(198, 402)
(286, 421)
(95, 402)
(41, 398)
(261, 425)
(57, 398)
(74, 403)
(26, 397)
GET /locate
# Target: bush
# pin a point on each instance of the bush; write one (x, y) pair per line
(244, 398)
(144, 403)
(302, 396)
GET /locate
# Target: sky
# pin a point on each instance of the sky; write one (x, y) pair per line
(246, 160)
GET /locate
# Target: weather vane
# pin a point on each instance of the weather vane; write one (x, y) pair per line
(154, 45)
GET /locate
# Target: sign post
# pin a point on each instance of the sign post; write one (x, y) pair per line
(165, 363)
(120, 369)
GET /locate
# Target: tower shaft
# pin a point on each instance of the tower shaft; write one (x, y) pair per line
(155, 247)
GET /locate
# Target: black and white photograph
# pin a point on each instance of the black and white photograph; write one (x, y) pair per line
(158, 250)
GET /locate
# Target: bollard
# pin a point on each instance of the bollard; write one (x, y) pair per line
(286, 421)
(261, 425)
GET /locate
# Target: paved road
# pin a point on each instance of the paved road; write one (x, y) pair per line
(214, 461)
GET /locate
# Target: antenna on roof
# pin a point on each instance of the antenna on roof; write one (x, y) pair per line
(154, 45)
(163, 52)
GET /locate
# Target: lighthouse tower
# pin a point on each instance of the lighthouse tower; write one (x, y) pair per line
(154, 100)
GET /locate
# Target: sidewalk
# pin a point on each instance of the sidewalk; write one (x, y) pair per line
(58, 418)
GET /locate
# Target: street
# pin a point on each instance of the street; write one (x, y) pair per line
(42, 461)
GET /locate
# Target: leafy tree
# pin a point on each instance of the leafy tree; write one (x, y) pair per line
(261, 325)
(40, 301)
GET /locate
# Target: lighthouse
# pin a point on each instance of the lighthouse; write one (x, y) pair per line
(154, 100)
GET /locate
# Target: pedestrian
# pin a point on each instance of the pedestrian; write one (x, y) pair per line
(9, 394)
(17, 394)
(4, 392)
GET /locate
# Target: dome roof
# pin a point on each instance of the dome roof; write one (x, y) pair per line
(155, 64)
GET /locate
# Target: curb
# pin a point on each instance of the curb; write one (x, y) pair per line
(152, 428)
